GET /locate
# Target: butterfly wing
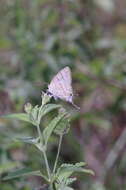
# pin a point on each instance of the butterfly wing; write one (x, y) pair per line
(60, 86)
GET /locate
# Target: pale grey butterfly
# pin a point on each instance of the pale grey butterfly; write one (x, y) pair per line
(61, 86)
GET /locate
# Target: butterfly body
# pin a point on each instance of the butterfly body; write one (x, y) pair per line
(61, 85)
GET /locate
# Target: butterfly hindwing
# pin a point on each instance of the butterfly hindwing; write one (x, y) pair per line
(60, 86)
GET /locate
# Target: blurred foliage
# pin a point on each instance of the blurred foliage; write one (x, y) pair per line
(37, 39)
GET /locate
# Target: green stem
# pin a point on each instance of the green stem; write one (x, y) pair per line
(47, 166)
(57, 156)
(39, 133)
(44, 152)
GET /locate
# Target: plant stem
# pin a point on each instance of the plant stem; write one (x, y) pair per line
(57, 156)
(47, 165)
(44, 152)
(39, 133)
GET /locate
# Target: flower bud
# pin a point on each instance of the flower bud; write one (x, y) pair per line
(45, 98)
(28, 107)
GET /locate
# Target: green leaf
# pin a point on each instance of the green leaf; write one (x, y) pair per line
(19, 116)
(34, 113)
(29, 140)
(7, 166)
(49, 129)
(67, 188)
(43, 110)
(66, 170)
(49, 107)
(38, 112)
(22, 172)
(63, 127)
(70, 180)
(79, 164)
(87, 171)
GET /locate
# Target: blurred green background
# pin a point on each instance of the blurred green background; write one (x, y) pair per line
(37, 39)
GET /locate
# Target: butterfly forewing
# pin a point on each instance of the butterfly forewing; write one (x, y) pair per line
(66, 75)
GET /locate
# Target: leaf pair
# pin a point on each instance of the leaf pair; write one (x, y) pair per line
(34, 115)
(59, 125)
(66, 170)
(37, 113)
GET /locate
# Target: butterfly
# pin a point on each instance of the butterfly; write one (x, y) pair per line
(61, 86)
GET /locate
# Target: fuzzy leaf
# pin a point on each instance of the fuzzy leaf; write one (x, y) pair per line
(66, 170)
(70, 180)
(52, 125)
(38, 112)
(67, 188)
(33, 115)
(21, 172)
(8, 166)
(63, 127)
(43, 110)
(19, 116)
